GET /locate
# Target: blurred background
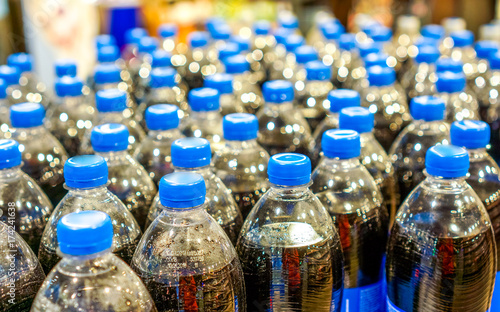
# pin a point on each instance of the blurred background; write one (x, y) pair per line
(53, 29)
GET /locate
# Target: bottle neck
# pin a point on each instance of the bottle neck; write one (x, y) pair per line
(445, 184)
(31, 131)
(160, 135)
(85, 192)
(366, 137)
(10, 173)
(290, 191)
(279, 106)
(86, 264)
(477, 154)
(208, 115)
(242, 145)
(343, 164)
(201, 170)
(114, 158)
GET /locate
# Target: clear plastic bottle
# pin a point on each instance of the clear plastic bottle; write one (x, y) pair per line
(420, 78)
(153, 154)
(312, 99)
(65, 67)
(491, 102)
(289, 249)
(460, 104)
(4, 109)
(383, 35)
(385, 99)
(328, 48)
(349, 59)
(185, 259)
(229, 102)
(86, 179)
(43, 155)
(70, 114)
(129, 181)
(463, 50)
(90, 277)
(357, 79)
(295, 71)
(245, 84)
(168, 34)
(481, 70)
(338, 99)
(25, 205)
(484, 173)
(112, 108)
(205, 119)
(132, 38)
(242, 163)
(262, 47)
(282, 127)
(285, 64)
(164, 88)
(353, 200)
(289, 21)
(109, 76)
(142, 61)
(194, 63)
(30, 86)
(373, 156)
(407, 153)
(441, 254)
(407, 33)
(21, 274)
(11, 75)
(485, 86)
(194, 155)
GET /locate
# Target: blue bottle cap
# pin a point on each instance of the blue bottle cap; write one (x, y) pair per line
(110, 137)
(227, 50)
(316, 70)
(368, 27)
(281, 34)
(243, 43)
(68, 86)
(447, 161)
(342, 98)
(161, 58)
(426, 41)
(448, 64)
(381, 33)
(236, 64)
(343, 144)
(293, 41)
(289, 169)
(427, 108)
(168, 30)
(162, 117)
(450, 82)
(84, 233)
(470, 134)
(262, 27)
(10, 74)
(107, 73)
(221, 32)
(132, 36)
(347, 42)
(376, 59)
(10, 155)
(356, 118)
(485, 48)
(278, 91)
(494, 60)
(27, 115)
(181, 190)
(240, 127)
(110, 100)
(104, 40)
(162, 77)
(65, 67)
(204, 99)
(332, 30)
(220, 82)
(288, 21)
(462, 38)
(379, 76)
(147, 45)
(427, 54)
(433, 31)
(213, 21)
(191, 152)
(108, 54)
(3, 89)
(198, 39)
(85, 171)
(366, 48)
(304, 54)
(23, 61)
